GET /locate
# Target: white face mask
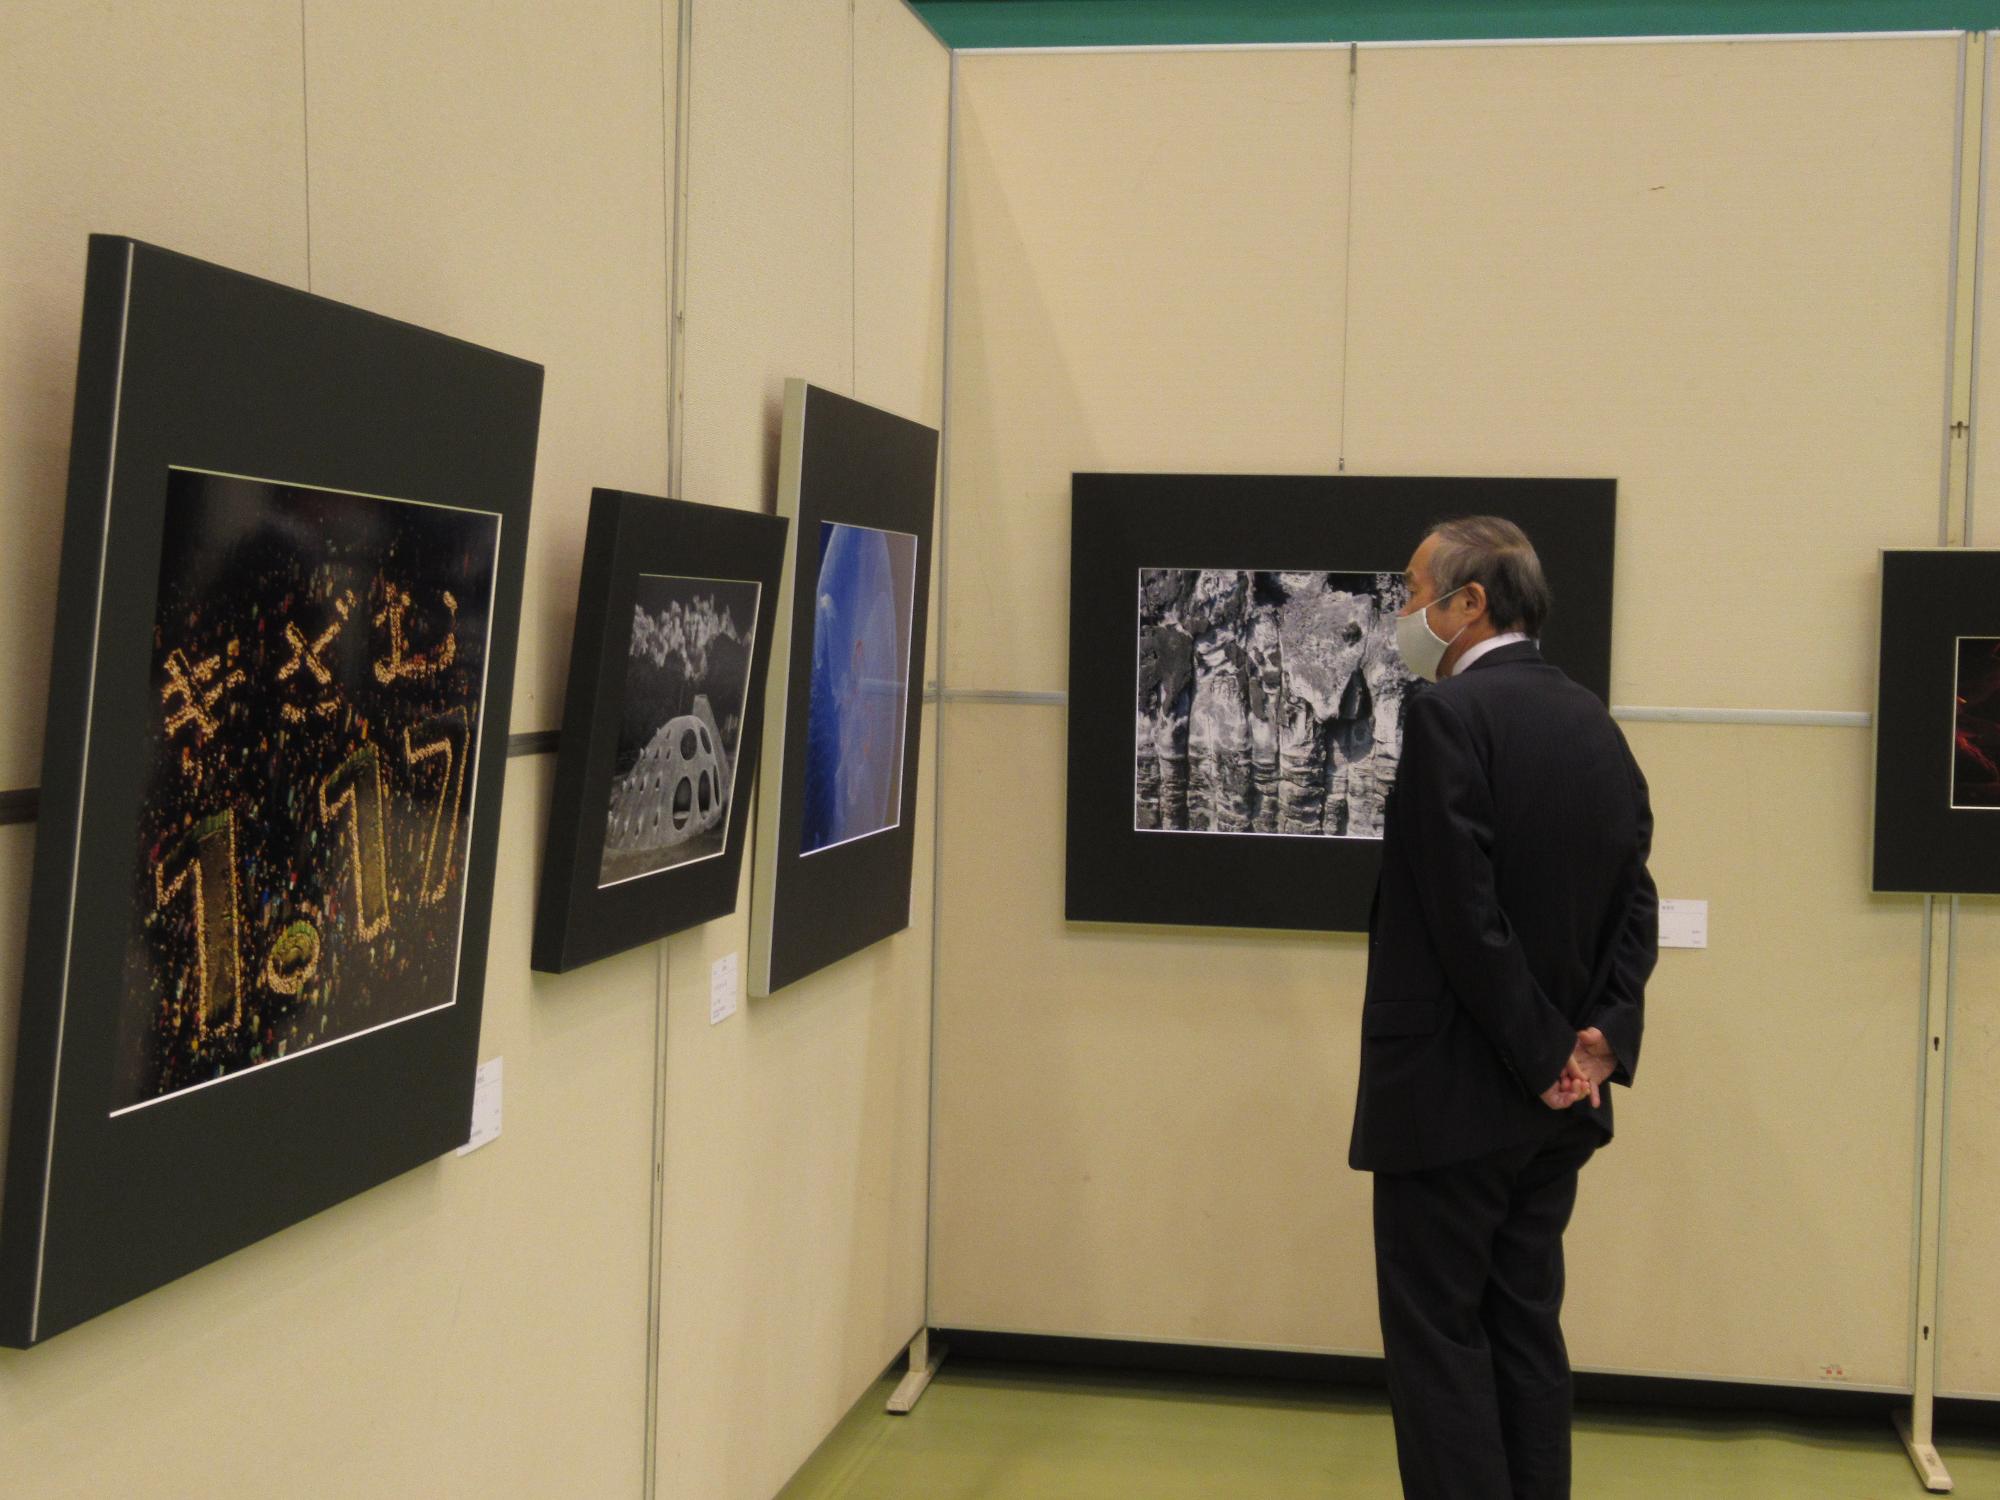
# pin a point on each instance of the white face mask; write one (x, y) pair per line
(1421, 649)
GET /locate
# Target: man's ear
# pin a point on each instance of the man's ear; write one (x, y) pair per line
(1475, 598)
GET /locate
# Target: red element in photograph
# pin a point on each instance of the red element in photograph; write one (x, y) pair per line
(1975, 759)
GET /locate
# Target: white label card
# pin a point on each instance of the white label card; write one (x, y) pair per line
(1683, 924)
(485, 1107)
(722, 983)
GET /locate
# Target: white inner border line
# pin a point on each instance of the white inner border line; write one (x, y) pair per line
(743, 703)
(471, 807)
(1138, 634)
(902, 708)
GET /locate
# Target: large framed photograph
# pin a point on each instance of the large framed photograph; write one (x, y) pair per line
(284, 654)
(1937, 723)
(662, 727)
(836, 841)
(1236, 699)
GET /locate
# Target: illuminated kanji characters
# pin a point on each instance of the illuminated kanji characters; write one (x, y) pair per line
(401, 662)
(306, 655)
(199, 686)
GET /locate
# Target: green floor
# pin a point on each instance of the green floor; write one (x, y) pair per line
(1009, 1432)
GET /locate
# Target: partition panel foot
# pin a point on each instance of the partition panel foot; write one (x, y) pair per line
(1923, 1457)
(924, 1363)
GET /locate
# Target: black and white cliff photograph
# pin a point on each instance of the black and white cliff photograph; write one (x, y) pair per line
(687, 670)
(1236, 701)
(1268, 702)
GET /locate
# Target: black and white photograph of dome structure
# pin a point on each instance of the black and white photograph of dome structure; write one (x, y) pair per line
(687, 669)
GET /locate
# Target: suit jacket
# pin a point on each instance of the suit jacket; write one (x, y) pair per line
(1514, 909)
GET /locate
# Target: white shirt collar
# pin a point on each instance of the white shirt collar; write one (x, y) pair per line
(1473, 653)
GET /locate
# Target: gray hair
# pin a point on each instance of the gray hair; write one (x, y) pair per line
(1497, 555)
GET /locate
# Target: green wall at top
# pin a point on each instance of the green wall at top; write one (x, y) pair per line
(1097, 23)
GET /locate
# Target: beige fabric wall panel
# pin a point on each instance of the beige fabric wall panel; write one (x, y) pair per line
(797, 1130)
(178, 123)
(796, 1145)
(1147, 275)
(1141, 1131)
(902, 106)
(1985, 528)
(1753, 1220)
(770, 260)
(902, 111)
(474, 1327)
(1718, 273)
(500, 175)
(1969, 1295)
(457, 182)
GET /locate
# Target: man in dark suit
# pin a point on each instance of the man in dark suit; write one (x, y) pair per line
(1514, 930)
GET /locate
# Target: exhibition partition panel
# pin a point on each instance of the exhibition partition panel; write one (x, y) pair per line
(425, 169)
(1147, 263)
(376, 215)
(502, 205)
(1147, 274)
(1762, 365)
(797, 1133)
(1719, 273)
(225, 187)
(495, 1322)
(1969, 1298)
(239, 181)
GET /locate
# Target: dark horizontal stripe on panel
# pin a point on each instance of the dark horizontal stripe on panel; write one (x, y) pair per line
(534, 742)
(1821, 1402)
(1177, 1359)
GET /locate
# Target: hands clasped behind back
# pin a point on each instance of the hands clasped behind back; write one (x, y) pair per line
(1584, 1075)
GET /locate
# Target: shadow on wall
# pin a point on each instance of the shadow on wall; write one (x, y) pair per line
(39, 389)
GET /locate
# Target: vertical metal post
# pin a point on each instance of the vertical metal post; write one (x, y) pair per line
(674, 148)
(1941, 912)
(1962, 328)
(657, 1232)
(1915, 1427)
(677, 229)
(922, 1365)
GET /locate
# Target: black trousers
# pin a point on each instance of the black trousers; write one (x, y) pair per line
(1469, 1276)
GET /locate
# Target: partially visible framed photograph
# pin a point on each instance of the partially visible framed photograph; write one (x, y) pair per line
(662, 727)
(284, 655)
(1937, 723)
(836, 836)
(1236, 698)
(1975, 745)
